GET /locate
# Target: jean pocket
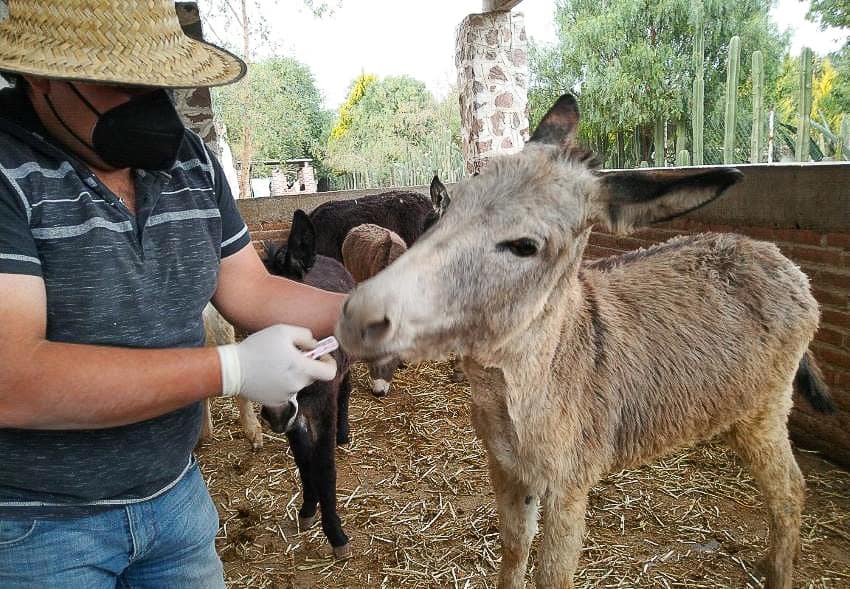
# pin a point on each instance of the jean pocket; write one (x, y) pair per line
(13, 531)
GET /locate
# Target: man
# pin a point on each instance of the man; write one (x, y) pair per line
(116, 229)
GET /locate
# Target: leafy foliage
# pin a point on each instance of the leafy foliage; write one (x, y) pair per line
(389, 126)
(830, 98)
(830, 13)
(343, 124)
(830, 88)
(631, 63)
(285, 113)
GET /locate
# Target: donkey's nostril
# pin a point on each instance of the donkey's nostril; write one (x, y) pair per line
(377, 331)
(345, 306)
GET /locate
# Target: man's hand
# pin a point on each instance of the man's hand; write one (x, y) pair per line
(269, 367)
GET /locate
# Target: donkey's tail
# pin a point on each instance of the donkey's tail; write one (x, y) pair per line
(809, 382)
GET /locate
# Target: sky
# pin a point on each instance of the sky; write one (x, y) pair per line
(417, 38)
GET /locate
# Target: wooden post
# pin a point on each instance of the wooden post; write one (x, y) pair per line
(731, 99)
(805, 106)
(758, 107)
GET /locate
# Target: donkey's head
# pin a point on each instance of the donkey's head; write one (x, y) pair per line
(294, 259)
(510, 240)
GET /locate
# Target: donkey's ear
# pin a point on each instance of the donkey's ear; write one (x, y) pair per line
(558, 126)
(384, 250)
(630, 199)
(439, 194)
(302, 240)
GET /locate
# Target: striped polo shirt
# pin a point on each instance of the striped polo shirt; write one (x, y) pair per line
(113, 278)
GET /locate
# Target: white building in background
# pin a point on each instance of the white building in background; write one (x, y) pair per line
(228, 165)
(261, 187)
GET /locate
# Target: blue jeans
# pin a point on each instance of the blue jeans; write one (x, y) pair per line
(164, 543)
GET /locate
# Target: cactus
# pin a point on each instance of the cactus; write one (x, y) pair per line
(681, 137)
(844, 139)
(804, 105)
(637, 145)
(758, 107)
(683, 158)
(731, 99)
(659, 142)
(698, 107)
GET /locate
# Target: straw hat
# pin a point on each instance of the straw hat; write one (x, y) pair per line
(126, 42)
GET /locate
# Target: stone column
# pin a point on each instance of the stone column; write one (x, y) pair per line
(492, 65)
(195, 105)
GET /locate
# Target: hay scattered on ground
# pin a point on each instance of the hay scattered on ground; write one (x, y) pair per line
(415, 499)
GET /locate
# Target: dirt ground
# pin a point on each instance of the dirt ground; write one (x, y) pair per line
(415, 500)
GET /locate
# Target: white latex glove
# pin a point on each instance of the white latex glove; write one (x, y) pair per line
(268, 367)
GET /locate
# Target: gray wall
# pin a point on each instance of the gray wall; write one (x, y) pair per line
(809, 196)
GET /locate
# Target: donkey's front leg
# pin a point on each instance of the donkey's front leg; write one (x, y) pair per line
(517, 507)
(563, 528)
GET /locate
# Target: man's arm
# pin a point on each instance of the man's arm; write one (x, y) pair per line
(50, 385)
(252, 299)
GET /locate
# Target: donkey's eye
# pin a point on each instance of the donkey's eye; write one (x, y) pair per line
(523, 248)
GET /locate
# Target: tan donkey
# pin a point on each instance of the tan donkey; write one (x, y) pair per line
(580, 370)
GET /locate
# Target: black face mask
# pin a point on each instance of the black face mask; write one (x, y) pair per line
(144, 133)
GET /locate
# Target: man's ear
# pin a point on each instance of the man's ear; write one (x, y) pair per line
(630, 199)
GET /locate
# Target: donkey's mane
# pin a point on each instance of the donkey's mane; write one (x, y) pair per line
(582, 155)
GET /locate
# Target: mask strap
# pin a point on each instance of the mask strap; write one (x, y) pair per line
(62, 121)
(85, 100)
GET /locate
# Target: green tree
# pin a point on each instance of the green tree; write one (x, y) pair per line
(631, 63)
(252, 34)
(288, 120)
(830, 13)
(358, 90)
(835, 13)
(830, 96)
(393, 126)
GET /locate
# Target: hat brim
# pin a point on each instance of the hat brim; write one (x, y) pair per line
(188, 64)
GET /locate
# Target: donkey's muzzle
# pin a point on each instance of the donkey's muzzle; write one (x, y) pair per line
(364, 330)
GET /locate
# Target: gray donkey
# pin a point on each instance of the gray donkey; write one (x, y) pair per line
(579, 370)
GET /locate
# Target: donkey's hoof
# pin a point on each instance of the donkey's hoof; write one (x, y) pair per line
(305, 523)
(773, 577)
(380, 387)
(343, 552)
(256, 438)
(457, 376)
